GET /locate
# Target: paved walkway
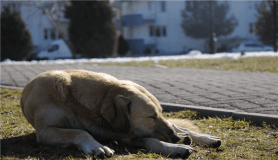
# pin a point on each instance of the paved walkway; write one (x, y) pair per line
(250, 92)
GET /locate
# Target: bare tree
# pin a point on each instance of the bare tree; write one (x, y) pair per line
(199, 22)
(265, 26)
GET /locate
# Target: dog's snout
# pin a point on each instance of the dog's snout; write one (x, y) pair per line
(175, 138)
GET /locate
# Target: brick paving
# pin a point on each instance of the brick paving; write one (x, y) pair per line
(246, 91)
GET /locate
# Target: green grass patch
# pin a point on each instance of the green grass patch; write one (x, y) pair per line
(132, 63)
(250, 64)
(181, 115)
(13, 123)
(240, 139)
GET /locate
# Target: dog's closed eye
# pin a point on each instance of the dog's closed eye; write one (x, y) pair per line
(153, 116)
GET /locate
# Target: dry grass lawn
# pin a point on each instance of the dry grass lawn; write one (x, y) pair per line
(241, 139)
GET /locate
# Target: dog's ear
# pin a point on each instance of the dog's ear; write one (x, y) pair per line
(115, 114)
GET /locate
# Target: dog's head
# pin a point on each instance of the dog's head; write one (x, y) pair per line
(134, 111)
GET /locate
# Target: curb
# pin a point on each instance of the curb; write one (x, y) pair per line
(216, 112)
(11, 87)
(210, 112)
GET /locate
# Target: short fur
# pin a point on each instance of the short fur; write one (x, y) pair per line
(78, 107)
(184, 123)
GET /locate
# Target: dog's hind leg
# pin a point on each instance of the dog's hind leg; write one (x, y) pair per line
(52, 128)
(69, 137)
(165, 148)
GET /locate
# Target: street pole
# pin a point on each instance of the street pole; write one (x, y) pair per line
(275, 27)
(213, 34)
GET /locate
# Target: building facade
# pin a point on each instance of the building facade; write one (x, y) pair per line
(155, 26)
(150, 27)
(39, 22)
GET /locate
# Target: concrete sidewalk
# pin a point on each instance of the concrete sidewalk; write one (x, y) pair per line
(242, 91)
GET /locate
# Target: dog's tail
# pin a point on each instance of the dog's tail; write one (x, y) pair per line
(184, 123)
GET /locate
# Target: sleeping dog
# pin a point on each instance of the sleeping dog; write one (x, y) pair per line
(81, 108)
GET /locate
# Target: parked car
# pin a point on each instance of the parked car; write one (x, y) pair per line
(34, 54)
(252, 47)
(79, 56)
(58, 49)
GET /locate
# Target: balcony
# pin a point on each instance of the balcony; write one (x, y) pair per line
(149, 42)
(138, 19)
(136, 45)
(130, 0)
(133, 20)
(139, 45)
(149, 17)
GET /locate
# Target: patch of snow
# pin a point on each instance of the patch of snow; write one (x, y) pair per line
(194, 52)
(191, 55)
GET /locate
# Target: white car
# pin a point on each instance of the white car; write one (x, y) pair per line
(252, 47)
(58, 49)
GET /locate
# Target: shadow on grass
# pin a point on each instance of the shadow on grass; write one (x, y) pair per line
(27, 147)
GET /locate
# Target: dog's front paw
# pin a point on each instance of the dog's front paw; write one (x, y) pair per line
(168, 149)
(98, 151)
(180, 151)
(215, 142)
(101, 152)
(208, 141)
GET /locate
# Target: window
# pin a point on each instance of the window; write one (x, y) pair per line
(45, 34)
(157, 31)
(14, 7)
(53, 48)
(60, 35)
(151, 31)
(257, 4)
(250, 27)
(164, 31)
(253, 45)
(189, 5)
(52, 34)
(163, 7)
(149, 5)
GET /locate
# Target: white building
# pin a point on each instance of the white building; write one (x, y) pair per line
(43, 30)
(157, 25)
(145, 24)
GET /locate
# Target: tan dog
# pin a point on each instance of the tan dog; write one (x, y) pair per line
(78, 107)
